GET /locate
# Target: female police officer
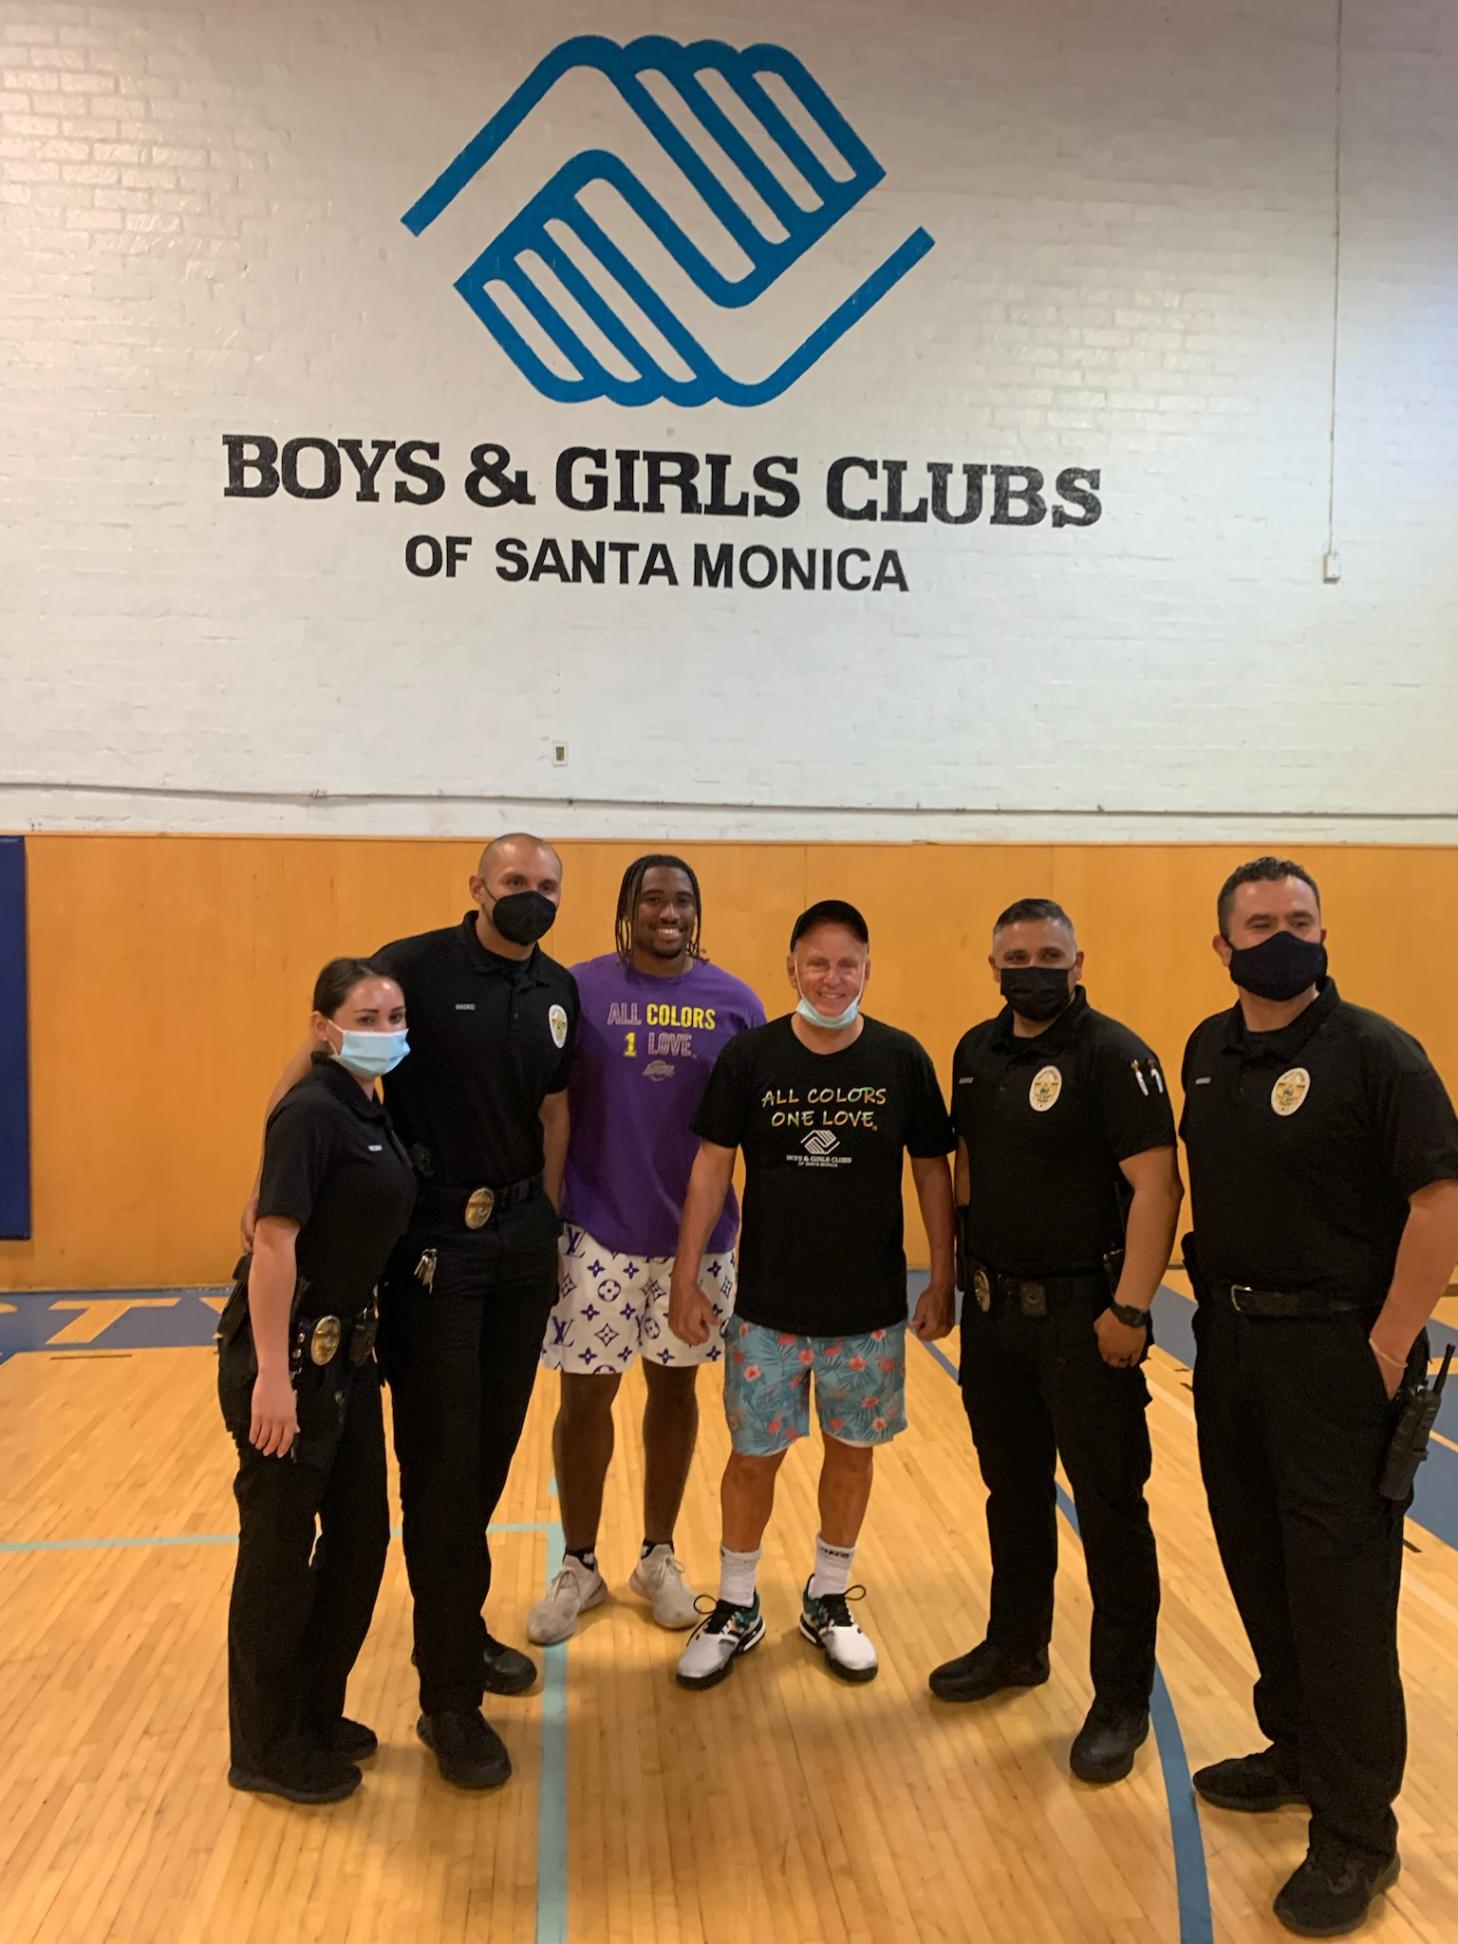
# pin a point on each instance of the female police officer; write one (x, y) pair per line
(300, 1392)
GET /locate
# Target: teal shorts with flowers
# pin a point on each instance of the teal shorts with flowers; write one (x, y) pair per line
(859, 1383)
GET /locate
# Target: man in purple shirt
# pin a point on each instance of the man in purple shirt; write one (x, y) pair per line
(655, 1015)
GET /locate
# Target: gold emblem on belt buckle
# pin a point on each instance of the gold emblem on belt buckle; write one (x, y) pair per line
(982, 1289)
(325, 1339)
(479, 1204)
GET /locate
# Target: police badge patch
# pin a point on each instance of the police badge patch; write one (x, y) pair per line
(325, 1339)
(1046, 1087)
(557, 1020)
(1290, 1090)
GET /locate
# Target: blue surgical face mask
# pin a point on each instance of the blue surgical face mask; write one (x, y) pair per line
(829, 1022)
(370, 1055)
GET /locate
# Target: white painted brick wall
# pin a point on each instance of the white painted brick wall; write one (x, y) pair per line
(1134, 216)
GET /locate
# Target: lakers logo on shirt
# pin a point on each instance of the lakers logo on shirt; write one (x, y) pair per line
(1046, 1087)
(557, 1020)
(1290, 1090)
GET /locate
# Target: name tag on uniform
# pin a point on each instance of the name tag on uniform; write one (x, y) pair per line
(377, 1147)
(465, 1005)
(1203, 1080)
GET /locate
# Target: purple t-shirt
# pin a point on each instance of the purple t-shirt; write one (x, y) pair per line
(645, 1049)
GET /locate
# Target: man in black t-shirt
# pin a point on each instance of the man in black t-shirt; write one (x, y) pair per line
(1069, 1194)
(824, 1103)
(1323, 1157)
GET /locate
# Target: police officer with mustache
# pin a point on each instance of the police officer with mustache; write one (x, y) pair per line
(1068, 1194)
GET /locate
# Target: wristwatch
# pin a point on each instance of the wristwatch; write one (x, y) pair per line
(1137, 1319)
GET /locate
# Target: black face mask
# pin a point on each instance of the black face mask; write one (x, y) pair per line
(523, 916)
(1280, 967)
(1037, 992)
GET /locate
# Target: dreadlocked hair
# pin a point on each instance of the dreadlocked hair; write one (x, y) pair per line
(631, 891)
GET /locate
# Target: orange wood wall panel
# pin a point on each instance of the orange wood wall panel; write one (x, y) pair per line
(170, 976)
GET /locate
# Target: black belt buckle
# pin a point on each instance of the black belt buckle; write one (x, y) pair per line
(1032, 1299)
(1237, 1290)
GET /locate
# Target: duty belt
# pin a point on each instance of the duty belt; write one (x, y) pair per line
(474, 1206)
(1030, 1293)
(319, 1338)
(1247, 1301)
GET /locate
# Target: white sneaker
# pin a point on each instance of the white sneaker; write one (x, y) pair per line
(716, 1643)
(573, 1591)
(658, 1578)
(826, 1623)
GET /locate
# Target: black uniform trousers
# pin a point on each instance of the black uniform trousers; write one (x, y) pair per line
(1294, 1423)
(460, 1357)
(313, 1531)
(1036, 1388)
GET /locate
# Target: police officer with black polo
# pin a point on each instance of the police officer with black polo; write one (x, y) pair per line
(1068, 1194)
(1323, 1154)
(481, 1107)
(300, 1392)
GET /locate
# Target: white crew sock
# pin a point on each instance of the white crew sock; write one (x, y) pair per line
(736, 1575)
(832, 1569)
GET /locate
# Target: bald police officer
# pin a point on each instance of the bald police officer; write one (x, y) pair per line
(1323, 1156)
(1068, 1195)
(482, 1113)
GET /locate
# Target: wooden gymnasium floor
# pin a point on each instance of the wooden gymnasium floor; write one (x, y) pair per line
(780, 1806)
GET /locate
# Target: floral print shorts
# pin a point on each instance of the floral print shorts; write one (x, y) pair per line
(859, 1382)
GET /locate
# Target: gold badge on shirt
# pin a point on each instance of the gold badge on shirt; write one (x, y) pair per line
(1046, 1087)
(557, 1020)
(1290, 1090)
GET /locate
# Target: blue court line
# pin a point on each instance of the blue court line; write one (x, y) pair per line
(1192, 1885)
(552, 1782)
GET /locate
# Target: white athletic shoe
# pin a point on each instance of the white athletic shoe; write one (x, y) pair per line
(826, 1623)
(658, 1578)
(716, 1643)
(573, 1591)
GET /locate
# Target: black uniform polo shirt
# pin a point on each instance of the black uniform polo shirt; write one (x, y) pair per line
(490, 1038)
(332, 1164)
(1047, 1120)
(1305, 1145)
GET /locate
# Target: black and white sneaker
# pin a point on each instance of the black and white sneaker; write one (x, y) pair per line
(825, 1621)
(717, 1642)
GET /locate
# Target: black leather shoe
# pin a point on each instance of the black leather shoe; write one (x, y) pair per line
(1104, 1748)
(1251, 1782)
(1332, 1891)
(467, 1749)
(507, 1670)
(350, 1739)
(311, 1776)
(985, 1671)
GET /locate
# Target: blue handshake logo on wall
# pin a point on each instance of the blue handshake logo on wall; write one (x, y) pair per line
(742, 121)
